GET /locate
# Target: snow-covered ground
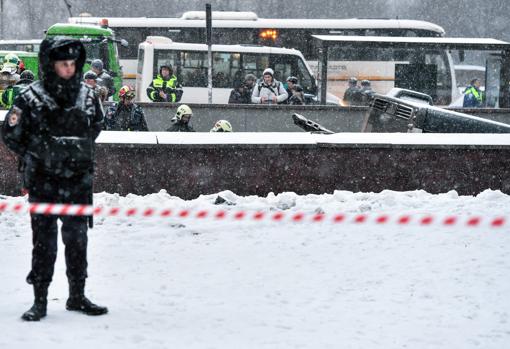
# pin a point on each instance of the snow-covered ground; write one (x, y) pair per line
(209, 284)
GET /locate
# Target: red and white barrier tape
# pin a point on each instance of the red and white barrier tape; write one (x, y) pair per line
(245, 215)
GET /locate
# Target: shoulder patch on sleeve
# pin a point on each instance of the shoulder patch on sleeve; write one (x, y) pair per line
(14, 116)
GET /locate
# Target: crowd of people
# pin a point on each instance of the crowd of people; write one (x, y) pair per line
(126, 115)
(267, 91)
(13, 78)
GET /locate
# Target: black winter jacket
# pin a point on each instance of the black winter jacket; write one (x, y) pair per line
(53, 131)
(120, 117)
(180, 127)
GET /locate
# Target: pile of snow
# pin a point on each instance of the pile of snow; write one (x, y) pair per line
(209, 284)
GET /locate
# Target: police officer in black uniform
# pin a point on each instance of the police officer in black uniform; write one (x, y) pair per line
(52, 127)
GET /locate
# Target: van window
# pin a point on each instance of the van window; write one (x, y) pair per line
(164, 57)
(193, 68)
(305, 78)
(255, 64)
(226, 69)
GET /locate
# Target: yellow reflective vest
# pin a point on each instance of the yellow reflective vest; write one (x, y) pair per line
(167, 86)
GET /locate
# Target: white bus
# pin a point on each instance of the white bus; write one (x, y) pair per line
(231, 28)
(230, 63)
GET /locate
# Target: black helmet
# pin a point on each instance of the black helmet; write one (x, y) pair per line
(292, 79)
(167, 66)
(27, 75)
(365, 83)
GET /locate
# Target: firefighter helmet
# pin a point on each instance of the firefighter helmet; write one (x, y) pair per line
(222, 126)
(183, 110)
(127, 91)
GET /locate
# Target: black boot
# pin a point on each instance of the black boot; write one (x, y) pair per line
(78, 302)
(38, 310)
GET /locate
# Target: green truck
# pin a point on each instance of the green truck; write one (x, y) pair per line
(99, 41)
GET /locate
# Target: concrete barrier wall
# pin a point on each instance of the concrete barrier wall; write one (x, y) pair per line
(278, 118)
(188, 167)
(256, 118)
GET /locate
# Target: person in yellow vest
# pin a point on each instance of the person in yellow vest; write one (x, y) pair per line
(473, 96)
(9, 95)
(8, 78)
(165, 87)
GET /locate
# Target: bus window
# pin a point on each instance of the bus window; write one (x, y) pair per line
(228, 36)
(193, 69)
(192, 35)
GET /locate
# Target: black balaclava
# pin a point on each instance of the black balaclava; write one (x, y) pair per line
(58, 48)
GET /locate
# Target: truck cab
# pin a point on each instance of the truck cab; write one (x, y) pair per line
(99, 42)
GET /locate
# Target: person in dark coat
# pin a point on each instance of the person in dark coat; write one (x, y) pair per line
(249, 83)
(367, 93)
(239, 95)
(290, 83)
(52, 126)
(103, 78)
(352, 95)
(126, 115)
(181, 120)
(297, 97)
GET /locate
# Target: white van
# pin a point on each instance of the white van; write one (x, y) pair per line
(230, 64)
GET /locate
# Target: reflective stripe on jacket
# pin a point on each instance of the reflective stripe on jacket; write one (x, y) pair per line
(159, 84)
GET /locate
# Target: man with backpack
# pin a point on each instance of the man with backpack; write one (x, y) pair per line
(269, 90)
